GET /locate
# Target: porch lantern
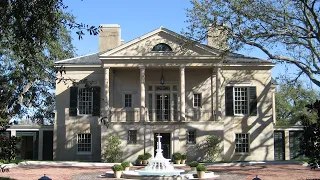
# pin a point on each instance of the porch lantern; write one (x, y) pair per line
(162, 78)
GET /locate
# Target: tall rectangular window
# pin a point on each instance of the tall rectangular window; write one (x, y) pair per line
(242, 143)
(127, 100)
(85, 101)
(191, 137)
(197, 100)
(240, 100)
(132, 137)
(84, 143)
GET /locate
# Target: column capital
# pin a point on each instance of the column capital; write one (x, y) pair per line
(142, 67)
(105, 67)
(182, 68)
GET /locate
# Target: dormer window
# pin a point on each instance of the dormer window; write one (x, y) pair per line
(161, 47)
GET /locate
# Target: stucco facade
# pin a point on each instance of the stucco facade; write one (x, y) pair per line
(148, 91)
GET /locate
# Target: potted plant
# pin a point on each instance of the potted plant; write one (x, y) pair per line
(201, 170)
(145, 159)
(193, 165)
(117, 170)
(177, 157)
(183, 158)
(125, 165)
(148, 155)
(139, 160)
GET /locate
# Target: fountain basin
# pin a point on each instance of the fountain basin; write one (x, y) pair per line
(160, 175)
(166, 173)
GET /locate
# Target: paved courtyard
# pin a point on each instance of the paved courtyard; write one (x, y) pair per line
(265, 172)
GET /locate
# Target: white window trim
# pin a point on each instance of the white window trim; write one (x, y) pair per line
(195, 136)
(123, 99)
(78, 112)
(198, 107)
(248, 100)
(137, 138)
(249, 145)
(83, 152)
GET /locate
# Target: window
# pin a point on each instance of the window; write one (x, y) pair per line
(241, 101)
(196, 100)
(127, 100)
(191, 137)
(132, 137)
(84, 143)
(161, 47)
(85, 101)
(242, 143)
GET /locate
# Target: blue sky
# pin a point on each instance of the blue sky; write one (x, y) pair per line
(136, 18)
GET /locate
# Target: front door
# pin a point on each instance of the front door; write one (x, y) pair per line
(163, 107)
(165, 143)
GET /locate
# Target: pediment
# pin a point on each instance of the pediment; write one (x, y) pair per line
(144, 46)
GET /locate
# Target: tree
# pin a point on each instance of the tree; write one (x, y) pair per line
(33, 34)
(286, 31)
(310, 144)
(291, 101)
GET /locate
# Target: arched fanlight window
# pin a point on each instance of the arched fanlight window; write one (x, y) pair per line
(161, 47)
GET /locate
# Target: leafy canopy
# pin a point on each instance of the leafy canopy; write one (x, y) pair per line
(291, 101)
(286, 31)
(33, 34)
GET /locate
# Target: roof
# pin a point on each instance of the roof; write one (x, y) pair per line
(86, 59)
(93, 59)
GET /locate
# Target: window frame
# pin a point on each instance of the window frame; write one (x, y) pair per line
(124, 100)
(85, 143)
(131, 142)
(78, 101)
(247, 100)
(198, 98)
(246, 144)
(194, 137)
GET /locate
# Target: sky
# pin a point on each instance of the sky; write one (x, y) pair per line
(136, 18)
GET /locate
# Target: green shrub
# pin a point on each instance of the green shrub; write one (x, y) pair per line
(8, 146)
(193, 164)
(183, 157)
(125, 164)
(112, 151)
(145, 157)
(140, 157)
(211, 146)
(117, 167)
(176, 156)
(148, 155)
(201, 167)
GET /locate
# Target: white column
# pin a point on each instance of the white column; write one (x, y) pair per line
(142, 92)
(40, 145)
(106, 91)
(218, 102)
(182, 94)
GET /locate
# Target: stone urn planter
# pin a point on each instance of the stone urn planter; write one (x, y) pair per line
(193, 165)
(201, 170)
(126, 166)
(117, 170)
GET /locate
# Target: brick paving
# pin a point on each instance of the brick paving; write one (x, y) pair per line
(265, 172)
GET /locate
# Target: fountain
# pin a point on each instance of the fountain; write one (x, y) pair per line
(158, 167)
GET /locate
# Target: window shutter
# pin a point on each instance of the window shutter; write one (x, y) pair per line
(253, 101)
(96, 101)
(229, 100)
(73, 101)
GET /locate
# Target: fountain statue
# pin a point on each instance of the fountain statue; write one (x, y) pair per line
(159, 165)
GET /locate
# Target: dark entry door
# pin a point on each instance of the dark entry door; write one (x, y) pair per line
(279, 146)
(165, 143)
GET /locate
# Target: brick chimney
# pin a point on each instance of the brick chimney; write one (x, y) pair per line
(109, 37)
(217, 37)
